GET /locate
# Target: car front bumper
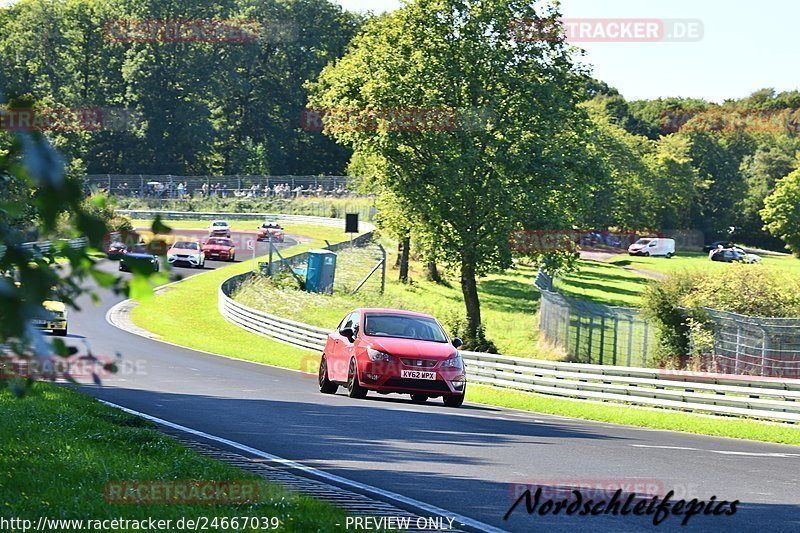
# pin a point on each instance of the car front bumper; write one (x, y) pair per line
(218, 255)
(193, 260)
(386, 378)
(45, 324)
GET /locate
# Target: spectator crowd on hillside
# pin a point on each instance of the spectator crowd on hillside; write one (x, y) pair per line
(182, 190)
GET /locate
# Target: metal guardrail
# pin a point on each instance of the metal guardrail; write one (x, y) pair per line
(771, 399)
(265, 324)
(45, 246)
(755, 397)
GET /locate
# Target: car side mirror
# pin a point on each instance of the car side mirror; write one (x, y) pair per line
(458, 343)
(347, 333)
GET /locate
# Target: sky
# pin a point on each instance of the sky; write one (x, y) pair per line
(746, 46)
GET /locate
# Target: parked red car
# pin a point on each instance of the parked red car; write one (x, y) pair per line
(220, 248)
(270, 228)
(392, 351)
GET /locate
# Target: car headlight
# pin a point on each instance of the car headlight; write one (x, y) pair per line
(454, 362)
(171, 257)
(377, 355)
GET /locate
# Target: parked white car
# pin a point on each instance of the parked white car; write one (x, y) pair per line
(219, 228)
(653, 247)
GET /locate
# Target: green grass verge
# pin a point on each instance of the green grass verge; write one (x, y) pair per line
(509, 300)
(187, 315)
(604, 283)
(319, 233)
(59, 448)
(625, 414)
(698, 261)
(324, 207)
(614, 283)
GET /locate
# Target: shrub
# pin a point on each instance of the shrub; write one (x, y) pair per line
(457, 324)
(677, 306)
(661, 302)
(747, 290)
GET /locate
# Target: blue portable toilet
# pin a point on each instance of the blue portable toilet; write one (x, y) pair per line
(320, 271)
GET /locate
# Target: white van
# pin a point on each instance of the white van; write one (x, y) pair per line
(653, 247)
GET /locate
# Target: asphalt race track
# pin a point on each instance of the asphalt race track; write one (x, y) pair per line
(468, 460)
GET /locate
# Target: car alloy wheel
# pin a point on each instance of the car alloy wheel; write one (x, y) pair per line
(354, 388)
(326, 386)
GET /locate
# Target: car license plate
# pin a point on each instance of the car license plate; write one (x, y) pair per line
(416, 374)
(39, 322)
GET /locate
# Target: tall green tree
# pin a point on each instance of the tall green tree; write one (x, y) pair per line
(781, 211)
(761, 171)
(521, 167)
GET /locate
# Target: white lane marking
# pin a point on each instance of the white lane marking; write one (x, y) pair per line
(757, 454)
(721, 452)
(663, 447)
(399, 498)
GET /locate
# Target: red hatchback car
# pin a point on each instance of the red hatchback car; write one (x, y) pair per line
(392, 351)
(220, 248)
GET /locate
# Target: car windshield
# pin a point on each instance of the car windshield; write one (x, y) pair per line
(643, 241)
(403, 327)
(140, 249)
(221, 242)
(219, 223)
(270, 225)
(185, 245)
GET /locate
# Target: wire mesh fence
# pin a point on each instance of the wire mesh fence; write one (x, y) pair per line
(237, 186)
(600, 334)
(593, 333)
(756, 346)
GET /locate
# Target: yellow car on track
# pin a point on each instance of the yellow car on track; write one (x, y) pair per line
(55, 318)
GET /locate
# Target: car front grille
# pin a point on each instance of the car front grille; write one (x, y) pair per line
(419, 363)
(425, 384)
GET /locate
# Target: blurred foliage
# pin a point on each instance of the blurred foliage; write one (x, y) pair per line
(40, 199)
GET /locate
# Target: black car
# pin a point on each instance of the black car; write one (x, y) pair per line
(718, 244)
(139, 254)
(734, 255)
